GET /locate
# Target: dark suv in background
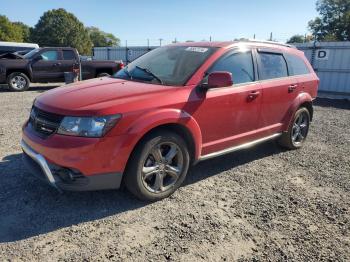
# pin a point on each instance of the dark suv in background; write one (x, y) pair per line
(45, 65)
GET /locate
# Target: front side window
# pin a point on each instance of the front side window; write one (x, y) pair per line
(49, 55)
(296, 65)
(169, 65)
(272, 65)
(239, 64)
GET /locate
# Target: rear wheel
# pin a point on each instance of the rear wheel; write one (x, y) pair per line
(18, 82)
(296, 135)
(158, 166)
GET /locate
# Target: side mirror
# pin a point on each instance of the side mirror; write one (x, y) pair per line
(219, 79)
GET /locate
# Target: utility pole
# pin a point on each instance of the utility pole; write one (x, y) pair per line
(254, 36)
(175, 41)
(160, 41)
(209, 38)
(271, 36)
(126, 52)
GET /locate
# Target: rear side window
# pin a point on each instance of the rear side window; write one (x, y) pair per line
(239, 64)
(272, 65)
(68, 55)
(296, 65)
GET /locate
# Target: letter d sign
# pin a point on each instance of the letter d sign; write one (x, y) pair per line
(322, 54)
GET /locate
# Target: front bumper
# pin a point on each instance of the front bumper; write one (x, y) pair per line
(64, 178)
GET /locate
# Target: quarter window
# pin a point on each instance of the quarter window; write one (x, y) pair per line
(296, 65)
(239, 64)
(272, 66)
(49, 55)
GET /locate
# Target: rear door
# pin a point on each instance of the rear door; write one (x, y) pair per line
(298, 69)
(69, 60)
(46, 66)
(279, 90)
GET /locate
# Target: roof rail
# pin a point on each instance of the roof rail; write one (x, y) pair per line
(270, 42)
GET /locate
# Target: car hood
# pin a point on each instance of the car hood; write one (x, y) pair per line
(102, 96)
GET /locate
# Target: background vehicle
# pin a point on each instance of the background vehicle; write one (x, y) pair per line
(48, 65)
(11, 47)
(172, 107)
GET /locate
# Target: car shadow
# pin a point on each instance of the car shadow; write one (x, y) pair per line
(29, 207)
(334, 103)
(37, 88)
(211, 167)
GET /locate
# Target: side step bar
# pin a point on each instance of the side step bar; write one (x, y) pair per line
(239, 147)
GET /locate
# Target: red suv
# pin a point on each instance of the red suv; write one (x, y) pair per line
(170, 108)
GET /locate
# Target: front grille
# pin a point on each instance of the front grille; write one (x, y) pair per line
(44, 123)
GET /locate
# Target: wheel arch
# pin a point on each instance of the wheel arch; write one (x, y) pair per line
(177, 128)
(173, 120)
(302, 100)
(309, 107)
(20, 70)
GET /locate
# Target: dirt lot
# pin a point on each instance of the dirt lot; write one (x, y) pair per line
(258, 204)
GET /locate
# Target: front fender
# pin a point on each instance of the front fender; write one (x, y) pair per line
(142, 125)
(299, 100)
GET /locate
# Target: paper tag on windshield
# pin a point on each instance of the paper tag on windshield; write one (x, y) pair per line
(197, 49)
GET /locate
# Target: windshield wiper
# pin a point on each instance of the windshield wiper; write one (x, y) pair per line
(150, 73)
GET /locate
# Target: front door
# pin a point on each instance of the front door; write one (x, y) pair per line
(46, 67)
(229, 116)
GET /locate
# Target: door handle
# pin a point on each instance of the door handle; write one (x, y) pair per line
(253, 95)
(291, 88)
(57, 64)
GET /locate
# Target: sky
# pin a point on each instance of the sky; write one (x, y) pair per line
(135, 21)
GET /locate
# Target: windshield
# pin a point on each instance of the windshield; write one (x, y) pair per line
(169, 65)
(31, 53)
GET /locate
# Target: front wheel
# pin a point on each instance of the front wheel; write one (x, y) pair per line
(296, 135)
(18, 82)
(158, 166)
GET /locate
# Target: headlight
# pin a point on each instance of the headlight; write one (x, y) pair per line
(87, 126)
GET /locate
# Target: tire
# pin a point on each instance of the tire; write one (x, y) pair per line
(103, 75)
(158, 166)
(296, 135)
(18, 82)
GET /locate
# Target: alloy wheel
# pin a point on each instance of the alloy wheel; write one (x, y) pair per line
(300, 128)
(162, 167)
(18, 82)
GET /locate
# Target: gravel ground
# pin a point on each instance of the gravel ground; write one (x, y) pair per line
(253, 205)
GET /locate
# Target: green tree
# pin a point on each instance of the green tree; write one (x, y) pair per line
(58, 27)
(333, 24)
(9, 31)
(100, 38)
(24, 29)
(296, 39)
